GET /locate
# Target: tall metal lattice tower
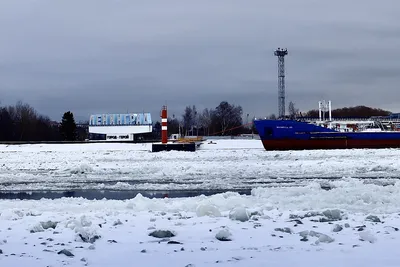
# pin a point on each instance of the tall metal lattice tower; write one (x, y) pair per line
(281, 53)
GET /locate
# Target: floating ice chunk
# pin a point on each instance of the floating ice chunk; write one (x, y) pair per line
(87, 235)
(284, 230)
(256, 212)
(37, 228)
(83, 168)
(49, 224)
(77, 224)
(162, 234)
(304, 233)
(33, 213)
(207, 210)
(19, 213)
(373, 218)
(367, 236)
(66, 253)
(72, 224)
(11, 215)
(239, 214)
(41, 226)
(130, 205)
(85, 222)
(333, 215)
(117, 222)
(390, 229)
(337, 228)
(224, 235)
(322, 238)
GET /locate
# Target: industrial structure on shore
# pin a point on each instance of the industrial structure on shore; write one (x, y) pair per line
(281, 53)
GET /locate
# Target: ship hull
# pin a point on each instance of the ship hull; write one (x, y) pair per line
(294, 135)
(328, 144)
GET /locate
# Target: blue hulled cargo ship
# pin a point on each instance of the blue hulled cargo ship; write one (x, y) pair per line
(301, 135)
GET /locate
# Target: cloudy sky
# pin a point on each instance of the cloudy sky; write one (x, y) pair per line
(114, 56)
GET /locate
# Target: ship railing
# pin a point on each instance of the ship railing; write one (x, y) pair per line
(395, 120)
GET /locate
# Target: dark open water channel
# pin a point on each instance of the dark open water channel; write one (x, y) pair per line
(92, 194)
(110, 194)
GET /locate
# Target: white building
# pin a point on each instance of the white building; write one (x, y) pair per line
(119, 127)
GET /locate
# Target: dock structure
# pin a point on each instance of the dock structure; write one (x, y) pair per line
(190, 147)
(169, 146)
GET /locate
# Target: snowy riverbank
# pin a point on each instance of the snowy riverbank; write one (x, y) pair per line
(262, 230)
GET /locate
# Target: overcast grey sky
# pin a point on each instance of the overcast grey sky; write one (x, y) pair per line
(113, 56)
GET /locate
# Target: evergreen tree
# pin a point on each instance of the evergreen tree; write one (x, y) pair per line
(157, 130)
(68, 127)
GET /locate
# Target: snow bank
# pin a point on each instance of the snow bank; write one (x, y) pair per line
(152, 232)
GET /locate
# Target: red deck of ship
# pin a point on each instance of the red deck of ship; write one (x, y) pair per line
(328, 144)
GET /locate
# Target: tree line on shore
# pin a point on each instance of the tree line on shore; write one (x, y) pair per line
(23, 123)
(225, 119)
(357, 112)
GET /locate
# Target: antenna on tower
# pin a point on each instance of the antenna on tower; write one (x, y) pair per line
(281, 53)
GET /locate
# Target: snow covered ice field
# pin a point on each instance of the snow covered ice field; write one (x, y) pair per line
(288, 219)
(228, 165)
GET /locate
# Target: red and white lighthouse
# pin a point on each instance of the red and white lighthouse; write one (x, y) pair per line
(164, 129)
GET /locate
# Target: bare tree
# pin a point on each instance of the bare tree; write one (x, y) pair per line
(187, 119)
(228, 116)
(6, 125)
(205, 120)
(173, 125)
(293, 111)
(22, 123)
(25, 120)
(190, 119)
(195, 119)
(272, 117)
